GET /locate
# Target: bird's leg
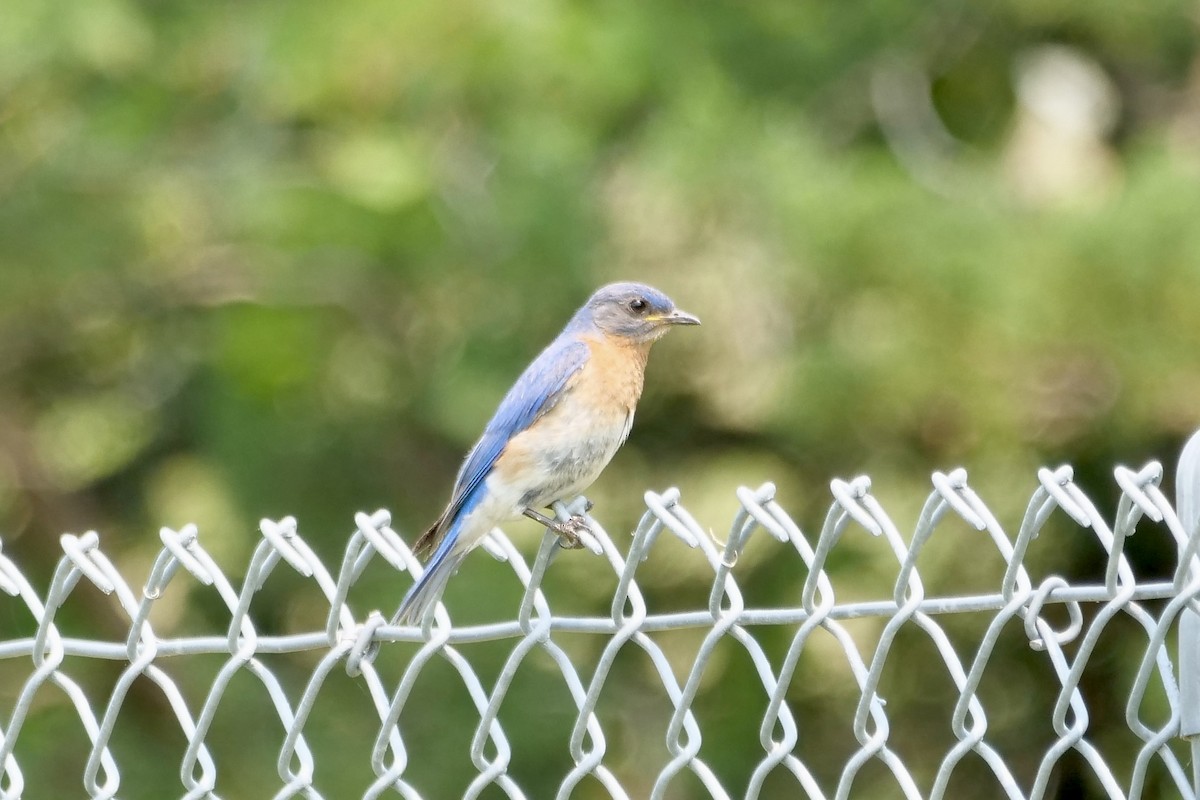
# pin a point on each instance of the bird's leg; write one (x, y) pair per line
(552, 524)
(569, 530)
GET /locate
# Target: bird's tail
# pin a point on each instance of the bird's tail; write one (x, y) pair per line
(428, 588)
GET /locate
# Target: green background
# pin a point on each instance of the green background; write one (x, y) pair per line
(261, 259)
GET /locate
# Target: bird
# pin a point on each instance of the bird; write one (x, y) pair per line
(553, 433)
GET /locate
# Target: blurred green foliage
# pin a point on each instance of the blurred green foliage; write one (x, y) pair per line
(263, 259)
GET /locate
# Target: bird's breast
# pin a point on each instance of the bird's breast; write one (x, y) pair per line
(613, 376)
(565, 450)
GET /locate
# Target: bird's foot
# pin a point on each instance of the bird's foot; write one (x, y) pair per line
(569, 529)
(569, 532)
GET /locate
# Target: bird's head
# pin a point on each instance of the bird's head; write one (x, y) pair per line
(633, 311)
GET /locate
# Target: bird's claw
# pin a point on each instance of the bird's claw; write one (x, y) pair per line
(569, 532)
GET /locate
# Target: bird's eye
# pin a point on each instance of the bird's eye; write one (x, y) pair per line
(637, 305)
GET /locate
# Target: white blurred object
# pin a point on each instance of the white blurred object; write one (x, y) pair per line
(1066, 107)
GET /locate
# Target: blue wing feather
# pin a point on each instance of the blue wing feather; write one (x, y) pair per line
(535, 392)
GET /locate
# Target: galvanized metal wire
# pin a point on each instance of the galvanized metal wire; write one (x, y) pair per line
(351, 641)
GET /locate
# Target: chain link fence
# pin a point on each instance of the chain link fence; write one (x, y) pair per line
(1070, 631)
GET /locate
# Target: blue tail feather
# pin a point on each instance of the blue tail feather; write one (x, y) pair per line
(444, 561)
(428, 588)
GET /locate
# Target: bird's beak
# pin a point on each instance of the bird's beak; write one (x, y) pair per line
(678, 317)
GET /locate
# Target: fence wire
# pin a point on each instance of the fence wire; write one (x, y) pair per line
(1162, 707)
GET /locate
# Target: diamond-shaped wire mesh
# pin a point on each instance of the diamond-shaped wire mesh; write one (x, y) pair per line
(802, 662)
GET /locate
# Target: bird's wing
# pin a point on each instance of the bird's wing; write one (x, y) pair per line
(539, 388)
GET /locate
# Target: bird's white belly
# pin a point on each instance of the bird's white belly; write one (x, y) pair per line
(499, 504)
(562, 460)
(568, 451)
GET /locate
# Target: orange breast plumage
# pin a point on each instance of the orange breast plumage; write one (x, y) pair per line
(565, 450)
(614, 374)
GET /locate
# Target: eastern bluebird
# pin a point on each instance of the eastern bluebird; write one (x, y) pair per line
(554, 432)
